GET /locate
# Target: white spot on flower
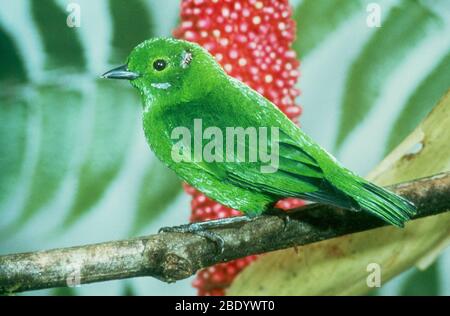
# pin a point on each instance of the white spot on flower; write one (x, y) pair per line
(234, 54)
(256, 20)
(224, 41)
(186, 24)
(225, 12)
(189, 35)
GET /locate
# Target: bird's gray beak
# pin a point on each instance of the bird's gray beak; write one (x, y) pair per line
(121, 72)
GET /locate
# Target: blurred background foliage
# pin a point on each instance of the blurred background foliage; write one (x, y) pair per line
(74, 165)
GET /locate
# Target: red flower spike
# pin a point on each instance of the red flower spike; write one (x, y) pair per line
(252, 41)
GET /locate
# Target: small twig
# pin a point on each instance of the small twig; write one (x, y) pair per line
(173, 256)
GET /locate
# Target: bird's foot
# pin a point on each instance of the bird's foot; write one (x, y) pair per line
(281, 214)
(202, 229)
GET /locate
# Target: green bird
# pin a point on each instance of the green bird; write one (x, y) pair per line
(184, 90)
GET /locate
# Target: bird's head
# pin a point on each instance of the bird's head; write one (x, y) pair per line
(169, 69)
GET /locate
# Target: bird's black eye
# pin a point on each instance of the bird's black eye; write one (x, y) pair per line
(159, 64)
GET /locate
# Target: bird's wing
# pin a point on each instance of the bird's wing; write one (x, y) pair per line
(297, 175)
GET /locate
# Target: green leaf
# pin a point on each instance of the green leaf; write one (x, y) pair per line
(11, 64)
(132, 24)
(421, 102)
(60, 111)
(422, 283)
(159, 188)
(316, 19)
(406, 25)
(61, 43)
(14, 112)
(115, 116)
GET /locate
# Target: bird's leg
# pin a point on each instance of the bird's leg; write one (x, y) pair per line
(202, 229)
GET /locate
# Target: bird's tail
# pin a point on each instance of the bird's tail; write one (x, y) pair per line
(378, 201)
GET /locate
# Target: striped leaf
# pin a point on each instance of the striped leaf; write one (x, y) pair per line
(317, 19)
(405, 27)
(420, 102)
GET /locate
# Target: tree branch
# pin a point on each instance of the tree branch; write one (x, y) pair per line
(173, 256)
